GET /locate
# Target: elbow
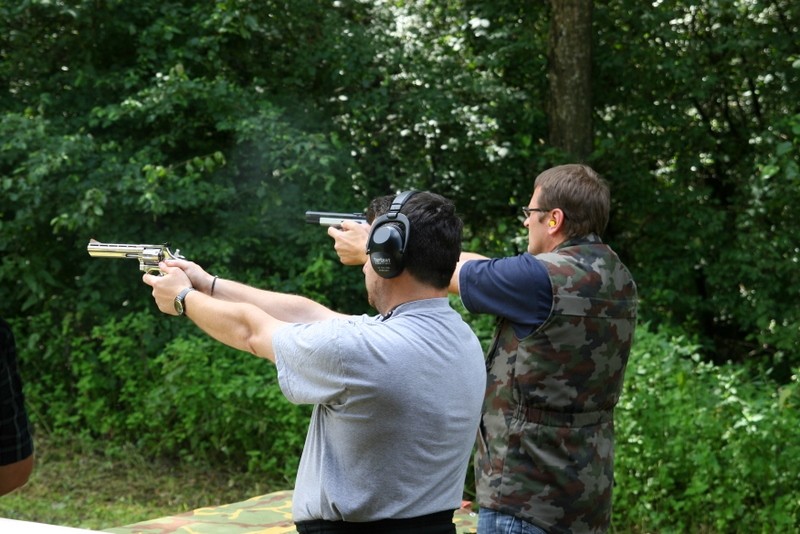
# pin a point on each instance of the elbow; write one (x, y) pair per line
(16, 475)
(254, 333)
(251, 346)
(259, 345)
(453, 287)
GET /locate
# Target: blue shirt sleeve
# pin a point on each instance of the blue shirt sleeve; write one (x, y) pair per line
(516, 288)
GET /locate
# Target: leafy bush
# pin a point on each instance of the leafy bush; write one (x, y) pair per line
(214, 125)
(196, 400)
(702, 148)
(702, 447)
(223, 405)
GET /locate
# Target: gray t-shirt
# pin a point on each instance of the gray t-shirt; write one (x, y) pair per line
(398, 401)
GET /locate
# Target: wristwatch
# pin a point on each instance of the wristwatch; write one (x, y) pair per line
(179, 307)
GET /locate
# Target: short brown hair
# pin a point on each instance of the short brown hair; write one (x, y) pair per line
(581, 193)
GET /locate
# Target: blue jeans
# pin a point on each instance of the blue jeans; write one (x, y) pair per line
(492, 522)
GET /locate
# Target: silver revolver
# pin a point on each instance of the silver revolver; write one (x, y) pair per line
(149, 256)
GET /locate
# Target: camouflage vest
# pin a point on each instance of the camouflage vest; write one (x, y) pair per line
(546, 446)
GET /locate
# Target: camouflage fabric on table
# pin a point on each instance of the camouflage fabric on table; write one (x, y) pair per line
(265, 514)
(546, 446)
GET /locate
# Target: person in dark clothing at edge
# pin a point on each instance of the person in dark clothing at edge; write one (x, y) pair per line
(567, 315)
(16, 442)
(397, 396)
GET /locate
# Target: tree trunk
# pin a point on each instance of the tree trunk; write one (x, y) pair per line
(569, 75)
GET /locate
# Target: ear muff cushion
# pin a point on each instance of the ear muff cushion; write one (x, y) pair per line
(386, 250)
(388, 238)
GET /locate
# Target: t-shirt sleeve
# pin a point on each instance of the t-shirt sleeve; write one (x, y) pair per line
(516, 288)
(309, 360)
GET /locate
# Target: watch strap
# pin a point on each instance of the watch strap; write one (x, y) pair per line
(180, 306)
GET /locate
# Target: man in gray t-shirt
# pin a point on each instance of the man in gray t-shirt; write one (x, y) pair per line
(397, 404)
(397, 397)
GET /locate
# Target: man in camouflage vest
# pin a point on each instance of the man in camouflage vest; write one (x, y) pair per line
(567, 312)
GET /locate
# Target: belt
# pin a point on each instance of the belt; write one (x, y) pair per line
(439, 522)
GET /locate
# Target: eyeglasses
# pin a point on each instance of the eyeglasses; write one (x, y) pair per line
(526, 211)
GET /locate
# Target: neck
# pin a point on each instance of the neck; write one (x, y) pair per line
(556, 240)
(405, 288)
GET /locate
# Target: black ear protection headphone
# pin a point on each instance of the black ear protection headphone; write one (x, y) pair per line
(388, 238)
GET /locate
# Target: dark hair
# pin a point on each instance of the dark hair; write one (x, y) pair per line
(582, 195)
(378, 206)
(434, 243)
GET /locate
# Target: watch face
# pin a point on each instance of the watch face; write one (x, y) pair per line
(179, 307)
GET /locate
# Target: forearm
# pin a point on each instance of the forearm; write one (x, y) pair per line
(289, 308)
(282, 306)
(13, 476)
(465, 257)
(240, 325)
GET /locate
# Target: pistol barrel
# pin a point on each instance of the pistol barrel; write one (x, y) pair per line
(329, 218)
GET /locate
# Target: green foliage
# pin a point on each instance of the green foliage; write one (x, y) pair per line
(213, 126)
(703, 447)
(165, 121)
(768, 311)
(696, 130)
(224, 406)
(183, 396)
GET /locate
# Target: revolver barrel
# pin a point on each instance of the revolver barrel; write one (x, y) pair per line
(148, 256)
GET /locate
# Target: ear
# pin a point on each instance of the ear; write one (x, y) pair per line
(556, 220)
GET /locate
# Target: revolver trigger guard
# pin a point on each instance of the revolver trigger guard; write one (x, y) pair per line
(154, 270)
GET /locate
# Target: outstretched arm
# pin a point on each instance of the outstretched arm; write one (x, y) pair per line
(282, 306)
(240, 325)
(465, 257)
(350, 244)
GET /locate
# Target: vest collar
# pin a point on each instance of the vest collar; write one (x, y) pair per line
(589, 239)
